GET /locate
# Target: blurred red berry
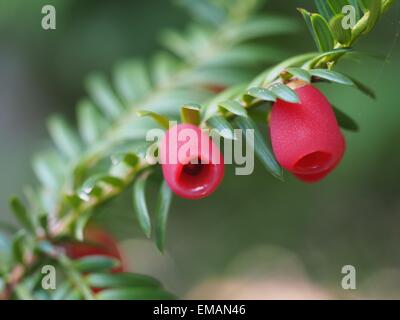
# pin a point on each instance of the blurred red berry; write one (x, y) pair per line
(306, 138)
(215, 88)
(97, 242)
(181, 145)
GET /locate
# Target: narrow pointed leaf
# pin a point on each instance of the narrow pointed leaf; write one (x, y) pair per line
(163, 204)
(324, 9)
(64, 137)
(62, 291)
(90, 122)
(300, 73)
(23, 216)
(260, 147)
(336, 5)
(103, 95)
(307, 18)
(73, 200)
(113, 181)
(345, 121)
(333, 54)
(283, 92)
(340, 34)
(223, 127)
(374, 8)
(134, 294)
(161, 120)
(164, 66)
(261, 26)
(262, 94)
(74, 294)
(80, 225)
(356, 6)
(190, 113)
(48, 168)
(131, 80)
(363, 88)
(130, 159)
(18, 246)
(234, 107)
(211, 108)
(139, 203)
(332, 76)
(177, 43)
(105, 178)
(323, 34)
(125, 280)
(95, 263)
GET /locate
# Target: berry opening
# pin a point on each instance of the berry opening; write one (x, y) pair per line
(314, 162)
(195, 176)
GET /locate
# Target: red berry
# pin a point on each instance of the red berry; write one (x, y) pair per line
(215, 88)
(305, 136)
(181, 145)
(97, 242)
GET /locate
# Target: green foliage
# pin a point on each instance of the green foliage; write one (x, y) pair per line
(233, 107)
(283, 92)
(223, 127)
(262, 94)
(97, 162)
(332, 35)
(95, 264)
(344, 120)
(163, 204)
(260, 147)
(190, 113)
(323, 34)
(331, 76)
(139, 203)
(341, 35)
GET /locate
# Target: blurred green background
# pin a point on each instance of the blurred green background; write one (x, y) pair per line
(255, 237)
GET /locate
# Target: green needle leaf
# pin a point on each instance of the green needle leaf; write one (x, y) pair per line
(163, 204)
(283, 92)
(374, 8)
(130, 159)
(260, 147)
(307, 18)
(234, 107)
(332, 76)
(323, 8)
(131, 80)
(95, 263)
(139, 203)
(262, 94)
(323, 35)
(363, 88)
(345, 121)
(103, 95)
(190, 113)
(161, 120)
(341, 35)
(134, 294)
(336, 5)
(90, 122)
(48, 168)
(300, 73)
(62, 291)
(122, 279)
(64, 137)
(18, 246)
(223, 127)
(26, 219)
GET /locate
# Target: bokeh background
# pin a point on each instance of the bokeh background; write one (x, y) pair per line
(255, 237)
